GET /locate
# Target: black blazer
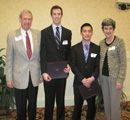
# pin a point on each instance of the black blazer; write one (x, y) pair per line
(81, 69)
(49, 51)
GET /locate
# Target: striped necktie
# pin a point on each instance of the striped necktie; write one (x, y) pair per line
(57, 38)
(28, 46)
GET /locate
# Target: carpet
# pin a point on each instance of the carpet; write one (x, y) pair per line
(125, 114)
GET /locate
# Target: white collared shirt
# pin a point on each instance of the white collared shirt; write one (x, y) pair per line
(24, 38)
(54, 29)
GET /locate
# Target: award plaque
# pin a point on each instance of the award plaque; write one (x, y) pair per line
(89, 92)
(56, 69)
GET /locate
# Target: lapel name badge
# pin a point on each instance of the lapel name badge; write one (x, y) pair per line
(65, 42)
(18, 38)
(93, 55)
(112, 48)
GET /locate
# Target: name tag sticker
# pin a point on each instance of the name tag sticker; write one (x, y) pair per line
(112, 48)
(93, 55)
(65, 42)
(18, 38)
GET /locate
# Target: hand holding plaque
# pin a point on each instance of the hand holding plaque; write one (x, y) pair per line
(89, 92)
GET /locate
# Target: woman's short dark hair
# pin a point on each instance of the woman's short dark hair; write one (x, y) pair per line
(108, 22)
(84, 25)
(56, 7)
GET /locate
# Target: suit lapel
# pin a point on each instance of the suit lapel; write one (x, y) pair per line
(34, 42)
(62, 35)
(21, 44)
(81, 52)
(52, 37)
(90, 51)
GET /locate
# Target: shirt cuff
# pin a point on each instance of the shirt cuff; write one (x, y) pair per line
(83, 80)
(93, 78)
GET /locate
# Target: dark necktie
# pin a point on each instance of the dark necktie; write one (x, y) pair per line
(86, 52)
(57, 38)
(28, 45)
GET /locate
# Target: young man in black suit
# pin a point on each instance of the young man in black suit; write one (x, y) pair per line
(85, 66)
(54, 51)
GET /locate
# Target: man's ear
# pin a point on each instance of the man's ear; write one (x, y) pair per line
(20, 20)
(80, 33)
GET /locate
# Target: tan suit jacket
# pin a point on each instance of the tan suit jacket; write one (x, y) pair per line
(18, 64)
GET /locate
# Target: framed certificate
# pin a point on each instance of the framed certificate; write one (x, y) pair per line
(56, 69)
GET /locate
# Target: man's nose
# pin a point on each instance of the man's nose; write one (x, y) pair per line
(27, 20)
(57, 15)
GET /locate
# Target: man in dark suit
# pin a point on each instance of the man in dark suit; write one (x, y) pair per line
(54, 51)
(84, 61)
(23, 65)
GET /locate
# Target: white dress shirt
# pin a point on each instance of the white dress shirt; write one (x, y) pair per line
(23, 32)
(54, 29)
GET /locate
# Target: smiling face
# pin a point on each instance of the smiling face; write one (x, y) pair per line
(86, 33)
(26, 21)
(108, 31)
(56, 16)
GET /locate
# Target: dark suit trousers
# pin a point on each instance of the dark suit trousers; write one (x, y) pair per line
(21, 96)
(78, 102)
(54, 88)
